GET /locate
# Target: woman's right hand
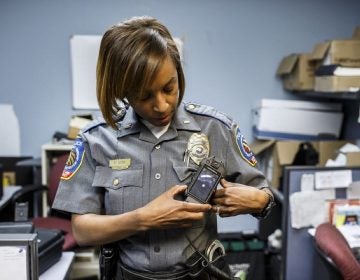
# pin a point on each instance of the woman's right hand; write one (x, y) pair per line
(167, 212)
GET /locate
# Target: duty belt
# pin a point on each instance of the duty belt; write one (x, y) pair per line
(197, 264)
(195, 267)
(129, 274)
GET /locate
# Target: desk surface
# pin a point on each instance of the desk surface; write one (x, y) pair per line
(59, 270)
(9, 191)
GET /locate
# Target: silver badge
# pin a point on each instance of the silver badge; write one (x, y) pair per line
(197, 149)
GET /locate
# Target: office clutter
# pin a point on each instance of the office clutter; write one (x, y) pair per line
(328, 195)
(310, 180)
(56, 220)
(245, 253)
(316, 69)
(297, 120)
(336, 78)
(344, 214)
(76, 123)
(315, 202)
(49, 242)
(21, 173)
(273, 155)
(297, 71)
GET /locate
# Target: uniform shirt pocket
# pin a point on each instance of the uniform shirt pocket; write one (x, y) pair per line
(123, 188)
(184, 173)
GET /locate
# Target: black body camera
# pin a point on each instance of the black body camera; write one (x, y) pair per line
(205, 180)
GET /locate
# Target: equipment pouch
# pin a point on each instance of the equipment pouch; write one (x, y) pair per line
(108, 261)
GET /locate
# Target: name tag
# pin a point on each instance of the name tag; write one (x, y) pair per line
(120, 164)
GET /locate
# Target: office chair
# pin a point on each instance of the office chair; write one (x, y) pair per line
(330, 243)
(57, 220)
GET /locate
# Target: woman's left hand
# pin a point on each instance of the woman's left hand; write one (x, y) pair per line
(234, 199)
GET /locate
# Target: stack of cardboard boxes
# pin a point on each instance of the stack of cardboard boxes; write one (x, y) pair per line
(305, 72)
(332, 66)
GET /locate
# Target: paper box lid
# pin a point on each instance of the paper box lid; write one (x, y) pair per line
(287, 64)
(343, 52)
(300, 105)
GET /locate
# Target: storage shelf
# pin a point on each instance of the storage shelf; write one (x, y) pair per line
(329, 95)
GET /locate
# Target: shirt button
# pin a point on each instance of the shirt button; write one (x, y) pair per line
(157, 249)
(116, 182)
(157, 147)
(157, 176)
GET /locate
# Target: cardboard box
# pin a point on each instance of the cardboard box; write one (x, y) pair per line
(297, 120)
(353, 159)
(356, 33)
(297, 72)
(342, 52)
(76, 123)
(274, 155)
(337, 83)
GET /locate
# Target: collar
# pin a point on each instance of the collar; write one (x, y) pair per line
(181, 121)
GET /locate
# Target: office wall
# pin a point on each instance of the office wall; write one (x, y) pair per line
(232, 49)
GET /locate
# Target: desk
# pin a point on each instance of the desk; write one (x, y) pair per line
(9, 191)
(61, 269)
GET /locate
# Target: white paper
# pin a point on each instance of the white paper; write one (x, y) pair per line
(333, 179)
(351, 234)
(307, 182)
(309, 208)
(84, 52)
(9, 131)
(339, 161)
(349, 148)
(13, 262)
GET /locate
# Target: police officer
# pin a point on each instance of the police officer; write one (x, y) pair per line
(126, 175)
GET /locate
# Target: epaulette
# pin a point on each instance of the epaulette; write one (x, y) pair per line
(209, 111)
(94, 123)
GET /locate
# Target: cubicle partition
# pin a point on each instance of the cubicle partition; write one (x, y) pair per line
(298, 247)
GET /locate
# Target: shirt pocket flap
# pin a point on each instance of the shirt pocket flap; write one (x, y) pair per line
(115, 179)
(184, 172)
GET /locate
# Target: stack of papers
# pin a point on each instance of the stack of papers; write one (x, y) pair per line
(351, 234)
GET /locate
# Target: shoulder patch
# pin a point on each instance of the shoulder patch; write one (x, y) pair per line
(209, 111)
(243, 147)
(74, 160)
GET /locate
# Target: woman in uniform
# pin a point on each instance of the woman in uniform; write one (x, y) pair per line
(126, 178)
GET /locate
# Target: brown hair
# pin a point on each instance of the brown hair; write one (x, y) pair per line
(130, 55)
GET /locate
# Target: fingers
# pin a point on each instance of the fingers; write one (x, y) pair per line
(177, 189)
(196, 207)
(226, 184)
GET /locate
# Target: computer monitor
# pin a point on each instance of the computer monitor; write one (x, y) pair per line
(18, 257)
